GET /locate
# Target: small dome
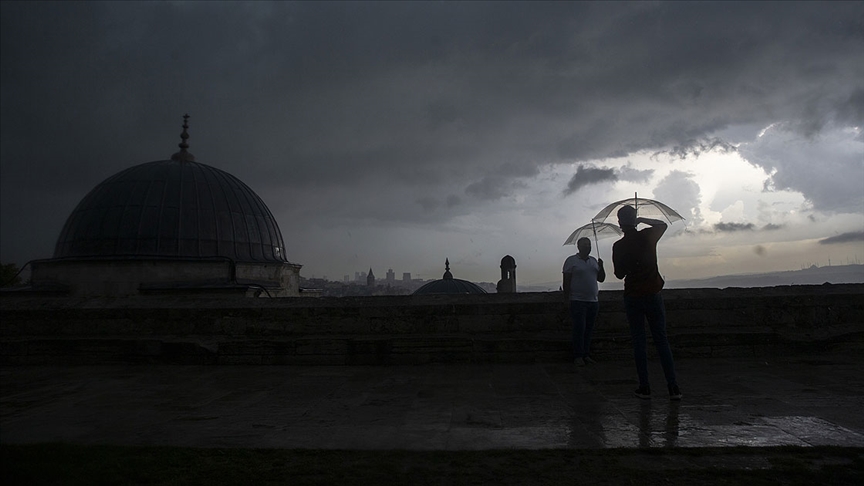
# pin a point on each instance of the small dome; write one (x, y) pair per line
(449, 285)
(172, 208)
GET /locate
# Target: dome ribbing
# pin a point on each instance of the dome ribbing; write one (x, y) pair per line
(172, 208)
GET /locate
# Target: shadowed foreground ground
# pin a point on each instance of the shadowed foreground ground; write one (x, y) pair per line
(794, 401)
(75, 464)
(789, 420)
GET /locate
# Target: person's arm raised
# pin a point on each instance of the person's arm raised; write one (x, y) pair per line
(656, 224)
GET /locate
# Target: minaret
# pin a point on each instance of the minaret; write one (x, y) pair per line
(183, 155)
(507, 284)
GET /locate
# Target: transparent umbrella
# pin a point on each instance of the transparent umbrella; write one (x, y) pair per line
(645, 208)
(598, 230)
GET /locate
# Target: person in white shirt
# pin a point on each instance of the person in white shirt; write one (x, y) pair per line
(581, 274)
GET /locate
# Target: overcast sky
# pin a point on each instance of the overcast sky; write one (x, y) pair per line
(398, 134)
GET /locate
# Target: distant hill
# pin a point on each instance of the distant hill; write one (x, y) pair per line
(835, 274)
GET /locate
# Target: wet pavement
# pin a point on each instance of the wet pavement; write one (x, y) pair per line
(727, 402)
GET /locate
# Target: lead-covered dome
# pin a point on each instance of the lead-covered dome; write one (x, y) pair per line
(172, 208)
(449, 285)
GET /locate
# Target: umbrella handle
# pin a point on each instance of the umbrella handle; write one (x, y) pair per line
(594, 228)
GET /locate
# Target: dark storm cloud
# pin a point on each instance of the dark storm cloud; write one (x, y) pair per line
(736, 227)
(504, 182)
(489, 188)
(851, 110)
(350, 109)
(628, 173)
(429, 203)
(733, 227)
(698, 147)
(585, 176)
(282, 75)
(827, 169)
(843, 238)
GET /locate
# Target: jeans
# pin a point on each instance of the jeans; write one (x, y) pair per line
(583, 315)
(639, 309)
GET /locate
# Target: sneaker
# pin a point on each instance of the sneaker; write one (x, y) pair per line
(580, 362)
(674, 392)
(643, 392)
(589, 360)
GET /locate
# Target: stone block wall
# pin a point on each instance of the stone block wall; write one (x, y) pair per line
(92, 277)
(287, 275)
(520, 327)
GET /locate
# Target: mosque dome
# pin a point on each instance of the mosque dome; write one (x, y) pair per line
(449, 285)
(174, 208)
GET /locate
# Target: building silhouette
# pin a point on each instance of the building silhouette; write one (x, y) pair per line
(507, 284)
(169, 226)
(449, 285)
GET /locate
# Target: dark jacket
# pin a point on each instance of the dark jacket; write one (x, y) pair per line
(634, 258)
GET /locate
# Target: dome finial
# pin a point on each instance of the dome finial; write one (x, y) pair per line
(447, 274)
(183, 155)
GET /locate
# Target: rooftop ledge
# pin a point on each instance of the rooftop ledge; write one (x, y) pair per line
(521, 327)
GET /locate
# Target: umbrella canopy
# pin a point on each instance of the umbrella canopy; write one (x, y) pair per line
(599, 230)
(645, 208)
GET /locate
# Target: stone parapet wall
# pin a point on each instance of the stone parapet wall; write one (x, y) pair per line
(84, 278)
(123, 277)
(526, 327)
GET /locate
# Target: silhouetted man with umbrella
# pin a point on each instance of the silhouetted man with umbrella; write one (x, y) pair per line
(634, 258)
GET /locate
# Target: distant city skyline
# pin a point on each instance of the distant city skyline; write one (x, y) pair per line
(812, 273)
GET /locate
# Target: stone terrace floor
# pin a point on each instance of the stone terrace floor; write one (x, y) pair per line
(799, 401)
